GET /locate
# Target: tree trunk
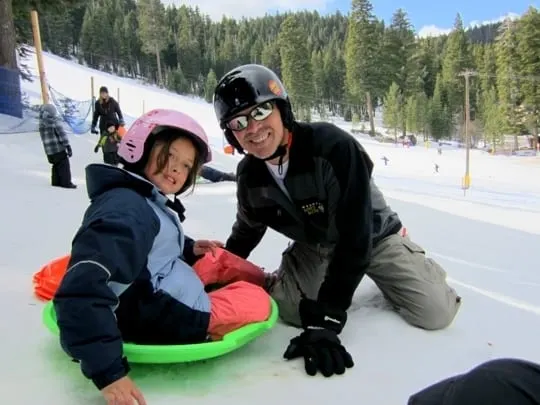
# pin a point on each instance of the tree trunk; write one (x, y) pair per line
(370, 114)
(159, 75)
(8, 57)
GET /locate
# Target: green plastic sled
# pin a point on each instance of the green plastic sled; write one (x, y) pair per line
(183, 353)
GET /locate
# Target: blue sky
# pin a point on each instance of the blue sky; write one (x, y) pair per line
(427, 16)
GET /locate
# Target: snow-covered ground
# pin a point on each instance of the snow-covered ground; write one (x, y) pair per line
(487, 239)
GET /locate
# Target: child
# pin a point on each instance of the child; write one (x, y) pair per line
(108, 142)
(130, 277)
(56, 146)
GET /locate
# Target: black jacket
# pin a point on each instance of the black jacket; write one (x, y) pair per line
(106, 111)
(334, 203)
(505, 381)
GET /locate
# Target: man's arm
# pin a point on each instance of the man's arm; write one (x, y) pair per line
(352, 171)
(96, 114)
(119, 112)
(246, 233)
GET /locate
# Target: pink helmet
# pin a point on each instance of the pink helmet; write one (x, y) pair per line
(131, 147)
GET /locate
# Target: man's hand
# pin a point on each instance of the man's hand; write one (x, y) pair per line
(319, 344)
(201, 247)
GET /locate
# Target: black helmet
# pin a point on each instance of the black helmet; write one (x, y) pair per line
(247, 86)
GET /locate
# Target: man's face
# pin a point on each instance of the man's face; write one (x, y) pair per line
(103, 95)
(259, 130)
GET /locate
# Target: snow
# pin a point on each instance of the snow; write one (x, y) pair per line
(487, 239)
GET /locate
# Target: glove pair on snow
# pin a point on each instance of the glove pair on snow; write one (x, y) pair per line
(319, 344)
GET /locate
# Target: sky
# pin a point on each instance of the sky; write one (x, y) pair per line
(427, 16)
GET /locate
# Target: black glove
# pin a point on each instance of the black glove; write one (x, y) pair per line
(96, 148)
(319, 344)
(69, 151)
(94, 130)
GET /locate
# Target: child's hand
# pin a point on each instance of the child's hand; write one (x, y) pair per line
(123, 392)
(201, 247)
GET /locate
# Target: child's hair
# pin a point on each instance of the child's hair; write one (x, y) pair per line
(166, 138)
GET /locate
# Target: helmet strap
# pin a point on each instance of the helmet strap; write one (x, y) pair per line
(280, 153)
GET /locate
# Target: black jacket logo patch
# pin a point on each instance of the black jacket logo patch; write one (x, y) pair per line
(313, 208)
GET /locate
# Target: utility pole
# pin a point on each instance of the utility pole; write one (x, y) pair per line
(467, 178)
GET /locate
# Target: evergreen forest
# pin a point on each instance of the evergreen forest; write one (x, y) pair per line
(334, 65)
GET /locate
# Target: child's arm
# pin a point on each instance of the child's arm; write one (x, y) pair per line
(189, 256)
(108, 252)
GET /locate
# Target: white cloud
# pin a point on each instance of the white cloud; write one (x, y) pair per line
(511, 16)
(248, 8)
(434, 31)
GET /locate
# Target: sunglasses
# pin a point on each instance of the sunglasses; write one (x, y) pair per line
(259, 113)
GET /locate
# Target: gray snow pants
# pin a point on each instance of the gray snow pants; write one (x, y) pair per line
(414, 284)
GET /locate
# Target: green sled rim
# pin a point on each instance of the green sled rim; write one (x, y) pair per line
(161, 354)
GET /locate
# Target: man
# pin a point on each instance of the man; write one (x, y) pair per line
(56, 145)
(312, 183)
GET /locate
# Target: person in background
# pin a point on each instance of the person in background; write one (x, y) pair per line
(108, 111)
(108, 142)
(56, 146)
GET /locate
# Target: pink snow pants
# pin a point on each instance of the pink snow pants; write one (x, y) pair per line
(242, 300)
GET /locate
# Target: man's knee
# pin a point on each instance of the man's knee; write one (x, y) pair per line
(433, 312)
(287, 304)
(415, 284)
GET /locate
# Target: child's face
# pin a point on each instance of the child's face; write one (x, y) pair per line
(181, 159)
(111, 129)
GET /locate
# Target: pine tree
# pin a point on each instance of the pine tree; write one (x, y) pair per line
(492, 118)
(440, 117)
(270, 56)
(319, 82)
(296, 65)
(487, 69)
(456, 59)
(362, 71)
(152, 30)
(393, 112)
(210, 86)
(401, 63)
(508, 79)
(334, 72)
(528, 36)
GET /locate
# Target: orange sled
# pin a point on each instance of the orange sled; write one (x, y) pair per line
(47, 280)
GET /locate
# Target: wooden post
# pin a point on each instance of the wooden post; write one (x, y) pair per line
(92, 93)
(118, 94)
(39, 55)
